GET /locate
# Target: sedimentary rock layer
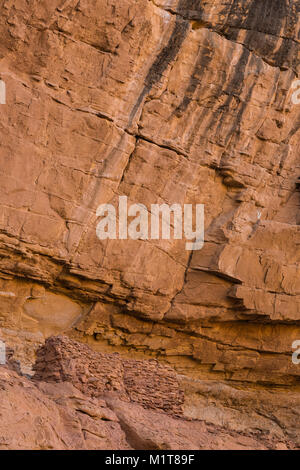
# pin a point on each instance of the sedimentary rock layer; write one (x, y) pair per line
(61, 409)
(163, 101)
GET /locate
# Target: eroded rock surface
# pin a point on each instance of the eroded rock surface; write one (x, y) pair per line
(61, 409)
(54, 416)
(164, 101)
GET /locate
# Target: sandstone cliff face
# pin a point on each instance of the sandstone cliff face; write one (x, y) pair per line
(175, 101)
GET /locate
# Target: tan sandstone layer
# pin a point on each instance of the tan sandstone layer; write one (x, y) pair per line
(175, 101)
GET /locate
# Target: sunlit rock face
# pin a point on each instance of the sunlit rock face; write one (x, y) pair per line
(162, 101)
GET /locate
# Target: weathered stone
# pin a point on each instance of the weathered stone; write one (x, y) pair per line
(163, 101)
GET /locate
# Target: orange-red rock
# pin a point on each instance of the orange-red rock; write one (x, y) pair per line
(174, 101)
(60, 410)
